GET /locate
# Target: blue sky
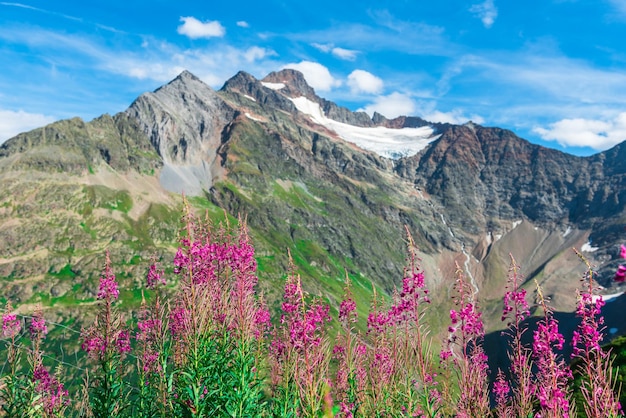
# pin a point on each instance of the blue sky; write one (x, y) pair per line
(554, 72)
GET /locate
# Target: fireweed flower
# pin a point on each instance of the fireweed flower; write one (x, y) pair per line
(553, 375)
(469, 358)
(598, 383)
(54, 396)
(515, 311)
(155, 277)
(11, 326)
(299, 355)
(108, 285)
(501, 390)
(123, 342)
(38, 326)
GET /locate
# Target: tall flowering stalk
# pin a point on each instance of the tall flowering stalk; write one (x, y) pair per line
(515, 311)
(218, 324)
(553, 375)
(51, 397)
(12, 386)
(381, 364)
(106, 343)
(466, 353)
(299, 353)
(401, 370)
(598, 381)
(153, 351)
(349, 352)
(421, 395)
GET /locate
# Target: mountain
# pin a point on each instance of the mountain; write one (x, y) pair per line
(335, 187)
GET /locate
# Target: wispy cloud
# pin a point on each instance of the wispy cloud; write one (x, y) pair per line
(62, 15)
(316, 75)
(486, 12)
(341, 53)
(195, 29)
(387, 34)
(243, 24)
(12, 122)
(147, 59)
(345, 54)
(619, 6)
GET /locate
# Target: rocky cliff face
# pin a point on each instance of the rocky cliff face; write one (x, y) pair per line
(471, 197)
(184, 121)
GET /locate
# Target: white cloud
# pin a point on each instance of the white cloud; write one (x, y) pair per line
(13, 123)
(322, 47)
(344, 54)
(256, 53)
(316, 75)
(594, 133)
(243, 24)
(393, 105)
(341, 53)
(194, 29)
(361, 81)
(486, 11)
(455, 117)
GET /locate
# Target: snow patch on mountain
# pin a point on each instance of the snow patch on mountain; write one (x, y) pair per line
(273, 86)
(587, 248)
(254, 118)
(387, 142)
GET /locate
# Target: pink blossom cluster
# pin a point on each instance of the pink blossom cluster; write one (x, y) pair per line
(470, 319)
(377, 321)
(11, 326)
(94, 345)
(347, 311)
(553, 375)
(38, 326)
(179, 322)
(108, 288)
(54, 396)
(589, 333)
(154, 278)
(305, 330)
(148, 330)
(204, 260)
(515, 306)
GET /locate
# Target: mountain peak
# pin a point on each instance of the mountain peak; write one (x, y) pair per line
(185, 77)
(293, 83)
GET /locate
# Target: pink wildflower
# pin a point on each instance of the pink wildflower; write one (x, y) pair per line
(179, 321)
(108, 285)
(38, 326)
(11, 326)
(620, 274)
(123, 342)
(346, 309)
(622, 251)
(553, 375)
(54, 396)
(94, 346)
(154, 278)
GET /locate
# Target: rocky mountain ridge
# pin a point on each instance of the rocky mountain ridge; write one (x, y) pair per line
(471, 196)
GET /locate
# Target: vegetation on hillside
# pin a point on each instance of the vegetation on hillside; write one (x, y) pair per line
(212, 346)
